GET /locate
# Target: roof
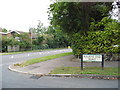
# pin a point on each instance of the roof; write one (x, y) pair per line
(4, 33)
(14, 31)
(11, 31)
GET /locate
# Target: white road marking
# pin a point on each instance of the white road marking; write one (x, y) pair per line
(40, 53)
(12, 56)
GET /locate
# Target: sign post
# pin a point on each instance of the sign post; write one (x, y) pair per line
(102, 62)
(81, 61)
(92, 57)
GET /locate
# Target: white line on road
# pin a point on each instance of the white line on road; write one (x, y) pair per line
(1, 64)
(12, 56)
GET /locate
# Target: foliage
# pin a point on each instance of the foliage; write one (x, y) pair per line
(73, 17)
(39, 30)
(90, 30)
(8, 41)
(4, 30)
(38, 41)
(25, 40)
(100, 41)
(56, 38)
(48, 37)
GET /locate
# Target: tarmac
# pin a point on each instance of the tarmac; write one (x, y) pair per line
(44, 68)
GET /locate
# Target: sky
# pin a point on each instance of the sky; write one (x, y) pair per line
(22, 14)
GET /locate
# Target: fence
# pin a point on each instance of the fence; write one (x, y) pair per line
(13, 48)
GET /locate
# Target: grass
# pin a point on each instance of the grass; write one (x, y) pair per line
(37, 60)
(87, 70)
(9, 53)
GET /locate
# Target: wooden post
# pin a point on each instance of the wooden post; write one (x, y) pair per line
(81, 61)
(102, 62)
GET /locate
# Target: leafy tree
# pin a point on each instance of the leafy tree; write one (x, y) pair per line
(87, 25)
(38, 41)
(76, 17)
(40, 29)
(4, 30)
(8, 41)
(56, 38)
(25, 40)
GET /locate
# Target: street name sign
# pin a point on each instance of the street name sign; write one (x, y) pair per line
(91, 58)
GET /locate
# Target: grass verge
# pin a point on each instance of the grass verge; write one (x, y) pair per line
(29, 51)
(87, 70)
(36, 60)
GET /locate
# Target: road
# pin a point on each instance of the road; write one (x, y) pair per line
(11, 79)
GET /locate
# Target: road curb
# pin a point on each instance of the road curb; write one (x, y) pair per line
(92, 76)
(14, 70)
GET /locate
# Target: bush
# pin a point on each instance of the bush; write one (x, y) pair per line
(44, 46)
(96, 42)
(8, 41)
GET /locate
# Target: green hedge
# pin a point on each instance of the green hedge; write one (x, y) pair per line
(96, 42)
(103, 37)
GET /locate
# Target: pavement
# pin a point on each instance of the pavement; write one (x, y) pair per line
(44, 68)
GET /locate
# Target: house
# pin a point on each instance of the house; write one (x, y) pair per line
(2, 33)
(33, 36)
(14, 34)
(11, 33)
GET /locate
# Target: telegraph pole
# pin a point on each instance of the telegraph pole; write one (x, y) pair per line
(30, 31)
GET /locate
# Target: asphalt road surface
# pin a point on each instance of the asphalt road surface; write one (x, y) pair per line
(10, 79)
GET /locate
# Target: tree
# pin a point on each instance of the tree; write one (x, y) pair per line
(38, 41)
(76, 17)
(4, 30)
(56, 38)
(39, 29)
(8, 41)
(88, 26)
(25, 41)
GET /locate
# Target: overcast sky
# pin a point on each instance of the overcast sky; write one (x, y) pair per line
(22, 14)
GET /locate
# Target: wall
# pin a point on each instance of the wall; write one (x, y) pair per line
(13, 48)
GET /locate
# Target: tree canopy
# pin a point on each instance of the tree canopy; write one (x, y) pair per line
(88, 25)
(73, 17)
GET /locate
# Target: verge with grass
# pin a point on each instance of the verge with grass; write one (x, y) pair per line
(37, 60)
(20, 52)
(87, 70)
